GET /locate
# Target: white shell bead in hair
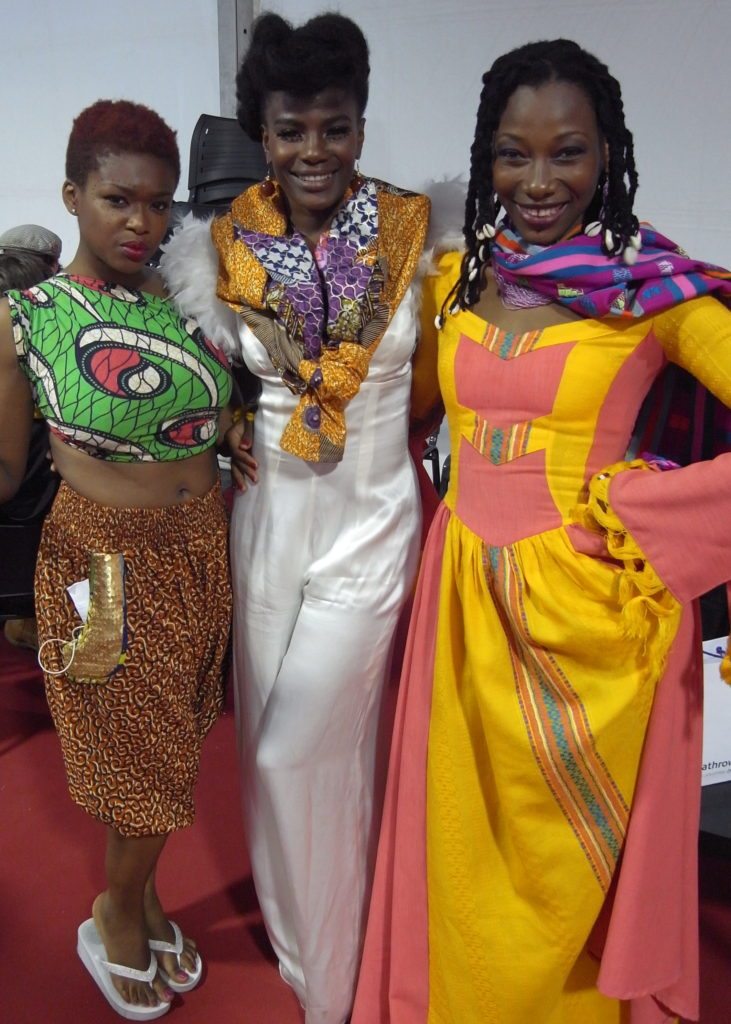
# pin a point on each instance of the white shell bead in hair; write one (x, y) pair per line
(636, 241)
(630, 255)
(609, 240)
(473, 274)
(454, 309)
(489, 230)
(481, 253)
(439, 321)
(593, 229)
(472, 262)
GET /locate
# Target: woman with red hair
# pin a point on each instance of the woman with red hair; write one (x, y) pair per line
(132, 584)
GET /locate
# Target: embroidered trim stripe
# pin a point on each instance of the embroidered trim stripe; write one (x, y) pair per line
(507, 344)
(500, 444)
(559, 731)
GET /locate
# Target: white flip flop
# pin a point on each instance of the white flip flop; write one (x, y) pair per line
(94, 958)
(176, 947)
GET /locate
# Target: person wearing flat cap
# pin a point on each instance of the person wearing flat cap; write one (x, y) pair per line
(28, 251)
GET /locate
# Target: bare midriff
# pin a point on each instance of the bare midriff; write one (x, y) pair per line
(135, 484)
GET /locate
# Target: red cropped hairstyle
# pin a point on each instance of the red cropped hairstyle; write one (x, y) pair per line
(118, 126)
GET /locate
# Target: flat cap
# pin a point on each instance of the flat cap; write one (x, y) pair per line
(31, 238)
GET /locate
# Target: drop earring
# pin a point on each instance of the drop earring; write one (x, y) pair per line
(356, 182)
(269, 185)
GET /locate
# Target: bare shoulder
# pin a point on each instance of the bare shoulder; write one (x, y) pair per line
(7, 344)
(15, 390)
(9, 363)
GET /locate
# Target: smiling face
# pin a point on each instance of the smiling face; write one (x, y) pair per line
(123, 211)
(312, 144)
(548, 156)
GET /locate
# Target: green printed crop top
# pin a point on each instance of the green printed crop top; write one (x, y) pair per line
(119, 374)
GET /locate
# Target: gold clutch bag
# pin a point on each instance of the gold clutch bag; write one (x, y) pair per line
(100, 648)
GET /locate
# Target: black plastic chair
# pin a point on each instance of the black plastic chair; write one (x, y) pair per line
(18, 549)
(223, 161)
(431, 455)
(21, 521)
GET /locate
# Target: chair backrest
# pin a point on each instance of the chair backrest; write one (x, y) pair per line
(21, 520)
(18, 548)
(178, 210)
(223, 160)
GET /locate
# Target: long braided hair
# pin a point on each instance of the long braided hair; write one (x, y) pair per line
(534, 65)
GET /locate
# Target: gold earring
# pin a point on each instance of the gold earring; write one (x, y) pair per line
(269, 185)
(356, 182)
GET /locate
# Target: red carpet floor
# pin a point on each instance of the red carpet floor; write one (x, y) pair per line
(52, 856)
(52, 868)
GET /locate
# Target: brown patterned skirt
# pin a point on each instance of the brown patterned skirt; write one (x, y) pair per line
(131, 745)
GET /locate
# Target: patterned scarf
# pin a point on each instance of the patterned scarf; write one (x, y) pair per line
(320, 317)
(576, 273)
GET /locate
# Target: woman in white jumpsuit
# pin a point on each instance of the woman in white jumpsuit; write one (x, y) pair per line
(317, 262)
(323, 557)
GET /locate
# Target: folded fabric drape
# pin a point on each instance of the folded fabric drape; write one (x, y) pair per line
(320, 316)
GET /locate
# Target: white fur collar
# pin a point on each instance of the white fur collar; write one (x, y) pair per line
(189, 264)
(189, 267)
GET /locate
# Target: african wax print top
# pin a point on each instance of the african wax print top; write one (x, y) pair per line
(118, 374)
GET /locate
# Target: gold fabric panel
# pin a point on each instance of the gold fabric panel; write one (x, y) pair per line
(101, 646)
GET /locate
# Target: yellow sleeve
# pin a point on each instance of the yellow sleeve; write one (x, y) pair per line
(697, 336)
(425, 394)
(680, 519)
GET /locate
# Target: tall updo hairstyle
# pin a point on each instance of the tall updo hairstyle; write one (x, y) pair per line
(329, 50)
(535, 64)
(118, 126)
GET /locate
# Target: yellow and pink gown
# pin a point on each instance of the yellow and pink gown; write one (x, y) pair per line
(538, 746)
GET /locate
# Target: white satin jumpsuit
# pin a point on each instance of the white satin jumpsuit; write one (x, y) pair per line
(323, 558)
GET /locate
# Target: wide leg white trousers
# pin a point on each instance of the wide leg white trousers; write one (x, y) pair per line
(323, 559)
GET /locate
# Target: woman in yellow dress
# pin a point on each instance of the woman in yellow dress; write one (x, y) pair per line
(548, 731)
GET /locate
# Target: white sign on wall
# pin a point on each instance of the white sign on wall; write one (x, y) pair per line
(716, 715)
